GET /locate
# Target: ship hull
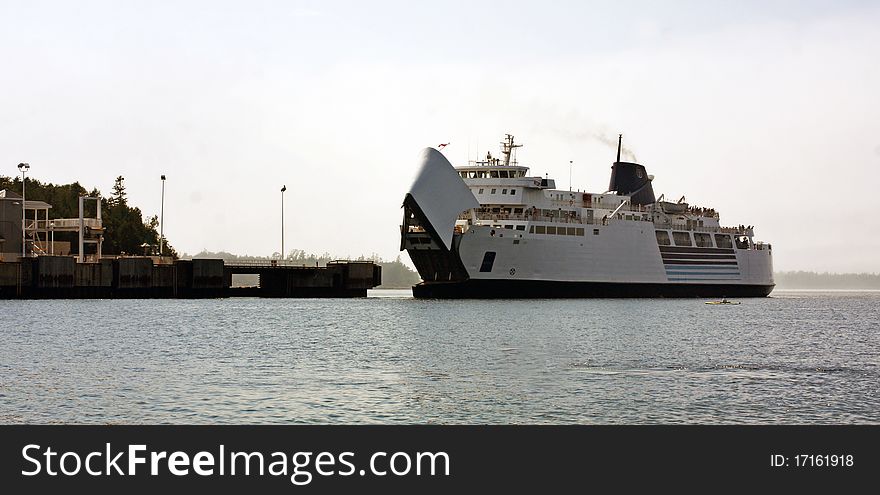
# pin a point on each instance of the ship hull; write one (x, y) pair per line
(544, 289)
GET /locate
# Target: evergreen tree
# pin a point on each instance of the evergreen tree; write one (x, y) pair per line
(119, 197)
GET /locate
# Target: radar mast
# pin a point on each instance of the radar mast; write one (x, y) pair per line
(508, 149)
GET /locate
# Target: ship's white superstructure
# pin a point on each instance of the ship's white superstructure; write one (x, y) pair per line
(489, 229)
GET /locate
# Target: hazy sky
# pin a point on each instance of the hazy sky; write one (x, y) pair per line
(767, 111)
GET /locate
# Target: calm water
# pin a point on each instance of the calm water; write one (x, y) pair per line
(797, 357)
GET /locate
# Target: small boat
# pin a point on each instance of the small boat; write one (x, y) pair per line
(723, 301)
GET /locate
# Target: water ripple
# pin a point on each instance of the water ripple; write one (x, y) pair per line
(793, 358)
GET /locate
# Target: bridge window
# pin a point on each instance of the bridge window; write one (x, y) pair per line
(504, 174)
(682, 238)
(540, 229)
(580, 231)
(703, 240)
(723, 241)
(663, 238)
(520, 227)
(551, 230)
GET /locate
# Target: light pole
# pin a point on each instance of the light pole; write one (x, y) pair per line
(283, 188)
(162, 219)
(24, 168)
(569, 174)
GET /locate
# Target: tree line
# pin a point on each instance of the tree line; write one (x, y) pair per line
(814, 280)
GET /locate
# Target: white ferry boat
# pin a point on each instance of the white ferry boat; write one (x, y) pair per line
(491, 230)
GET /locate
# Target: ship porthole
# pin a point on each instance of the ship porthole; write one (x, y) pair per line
(513, 271)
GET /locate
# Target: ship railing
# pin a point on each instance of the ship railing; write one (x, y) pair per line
(703, 228)
(595, 205)
(500, 217)
(610, 206)
(257, 263)
(566, 219)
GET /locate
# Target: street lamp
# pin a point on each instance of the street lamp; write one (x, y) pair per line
(162, 219)
(24, 168)
(283, 188)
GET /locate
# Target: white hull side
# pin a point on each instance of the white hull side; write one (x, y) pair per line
(622, 252)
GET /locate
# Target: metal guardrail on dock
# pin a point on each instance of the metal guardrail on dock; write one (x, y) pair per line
(265, 264)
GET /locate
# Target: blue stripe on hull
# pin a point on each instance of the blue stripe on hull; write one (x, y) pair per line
(701, 267)
(701, 273)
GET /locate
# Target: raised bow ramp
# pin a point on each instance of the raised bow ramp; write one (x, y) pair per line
(439, 194)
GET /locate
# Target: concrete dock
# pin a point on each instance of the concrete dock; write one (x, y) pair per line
(50, 277)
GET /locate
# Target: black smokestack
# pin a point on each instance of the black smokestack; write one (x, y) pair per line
(631, 179)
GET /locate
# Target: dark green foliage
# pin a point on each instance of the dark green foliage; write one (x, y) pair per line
(396, 275)
(126, 228)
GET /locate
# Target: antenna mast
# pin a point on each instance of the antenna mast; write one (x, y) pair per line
(507, 148)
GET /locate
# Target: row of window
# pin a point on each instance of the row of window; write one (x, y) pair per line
(554, 230)
(491, 174)
(503, 191)
(700, 239)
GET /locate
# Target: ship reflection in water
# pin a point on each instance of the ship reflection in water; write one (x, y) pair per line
(794, 358)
